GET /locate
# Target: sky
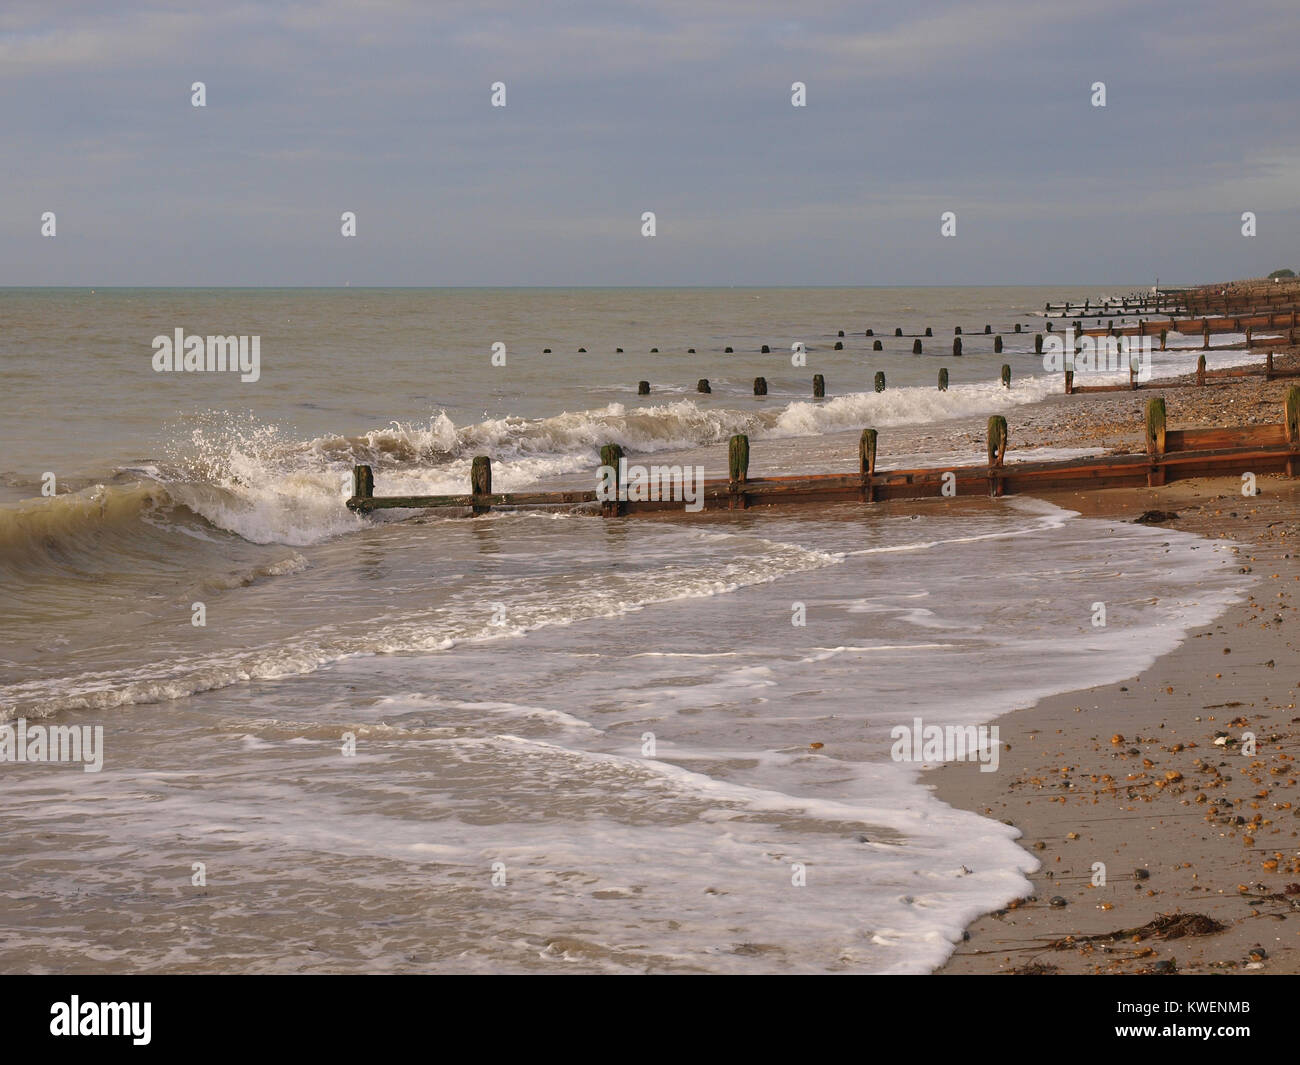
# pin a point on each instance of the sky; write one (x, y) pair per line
(678, 107)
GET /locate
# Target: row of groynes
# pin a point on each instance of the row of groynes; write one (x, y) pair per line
(703, 386)
(1205, 326)
(1170, 454)
(870, 334)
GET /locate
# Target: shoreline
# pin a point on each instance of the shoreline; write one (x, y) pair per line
(1129, 775)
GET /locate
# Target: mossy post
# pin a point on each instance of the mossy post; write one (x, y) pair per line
(702, 385)
(997, 344)
(1291, 423)
(1155, 438)
(363, 482)
(610, 455)
(819, 386)
(997, 452)
(760, 386)
(867, 464)
(916, 347)
(1200, 370)
(943, 380)
(643, 388)
(480, 481)
(876, 345)
(1006, 375)
(737, 471)
(1038, 343)
(880, 380)
(956, 345)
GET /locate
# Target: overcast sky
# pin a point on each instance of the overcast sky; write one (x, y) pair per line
(681, 107)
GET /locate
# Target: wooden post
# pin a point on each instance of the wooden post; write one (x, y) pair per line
(1155, 434)
(1038, 343)
(1205, 337)
(1006, 375)
(997, 452)
(766, 350)
(702, 385)
(610, 454)
(480, 481)
(899, 331)
(943, 380)
(1069, 382)
(819, 386)
(997, 344)
(1200, 370)
(643, 388)
(1164, 338)
(760, 386)
(876, 345)
(1133, 371)
(929, 331)
(1017, 327)
(839, 345)
(916, 347)
(1291, 420)
(880, 380)
(956, 345)
(363, 483)
(957, 332)
(988, 329)
(728, 350)
(871, 332)
(1268, 367)
(867, 464)
(738, 471)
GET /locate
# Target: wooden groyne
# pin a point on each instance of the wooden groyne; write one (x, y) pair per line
(1169, 455)
(1204, 375)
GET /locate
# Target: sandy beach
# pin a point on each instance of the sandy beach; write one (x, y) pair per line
(1164, 846)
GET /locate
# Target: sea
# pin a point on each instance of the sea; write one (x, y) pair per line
(529, 741)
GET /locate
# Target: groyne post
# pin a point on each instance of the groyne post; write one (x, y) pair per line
(867, 464)
(480, 482)
(997, 452)
(610, 454)
(363, 482)
(1155, 438)
(737, 471)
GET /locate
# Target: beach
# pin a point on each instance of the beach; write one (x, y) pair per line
(547, 741)
(1147, 777)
